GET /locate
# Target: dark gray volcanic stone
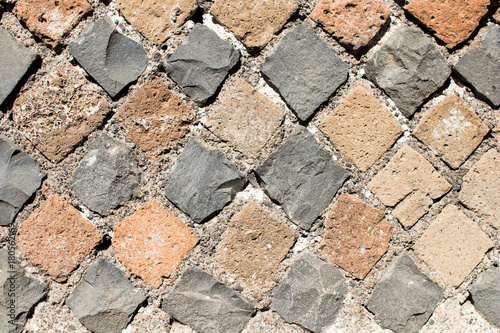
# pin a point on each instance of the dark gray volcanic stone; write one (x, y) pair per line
(207, 305)
(15, 60)
(311, 294)
(20, 177)
(201, 64)
(202, 181)
(107, 176)
(404, 298)
(304, 70)
(485, 293)
(302, 177)
(409, 68)
(104, 301)
(112, 59)
(480, 67)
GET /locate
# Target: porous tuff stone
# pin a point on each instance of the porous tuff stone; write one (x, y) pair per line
(202, 181)
(409, 68)
(485, 292)
(154, 118)
(354, 23)
(481, 188)
(104, 301)
(207, 305)
(356, 235)
(452, 130)
(451, 21)
(112, 59)
(254, 22)
(452, 245)
(155, 19)
(60, 111)
(152, 242)
(57, 238)
(20, 177)
(302, 177)
(480, 67)
(201, 64)
(304, 70)
(15, 61)
(254, 244)
(107, 175)
(245, 118)
(361, 128)
(404, 298)
(412, 208)
(311, 294)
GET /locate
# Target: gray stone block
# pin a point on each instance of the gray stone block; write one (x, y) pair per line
(302, 177)
(485, 292)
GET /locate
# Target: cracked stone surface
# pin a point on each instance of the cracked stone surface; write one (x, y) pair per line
(412, 208)
(485, 292)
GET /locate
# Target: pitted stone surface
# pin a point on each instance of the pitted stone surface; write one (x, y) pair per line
(202, 181)
(207, 305)
(412, 208)
(104, 301)
(356, 235)
(20, 177)
(245, 118)
(409, 68)
(485, 292)
(254, 244)
(453, 245)
(302, 177)
(107, 176)
(112, 59)
(404, 298)
(311, 294)
(60, 111)
(304, 70)
(154, 118)
(355, 23)
(57, 238)
(200, 65)
(152, 242)
(361, 128)
(452, 130)
(481, 188)
(254, 22)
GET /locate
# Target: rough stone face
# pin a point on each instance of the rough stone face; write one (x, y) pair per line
(112, 59)
(20, 177)
(202, 181)
(356, 235)
(404, 298)
(486, 295)
(154, 118)
(200, 65)
(107, 175)
(452, 130)
(104, 301)
(412, 208)
(452, 21)
(409, 68)
(361, 128)
(481, 187)
(302, 177)
(254, 244)
(57, 238)
(245, 118)
(15, 61)
(496, 16)
(152, 242)
(60, 111)
(304, 70)
(300, 299)
(453, 245)
(254, 22)
(354, 23)
(51, 20)
(207, 305)
(155, 19)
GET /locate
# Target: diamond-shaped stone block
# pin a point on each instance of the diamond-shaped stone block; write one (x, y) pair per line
(485, 292)
(412, 208)
(361, 128)
(453, 245)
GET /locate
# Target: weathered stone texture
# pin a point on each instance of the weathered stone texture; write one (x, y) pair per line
(485, 292)
(412, 208)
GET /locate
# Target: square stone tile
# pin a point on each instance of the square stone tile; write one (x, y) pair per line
(485, 292)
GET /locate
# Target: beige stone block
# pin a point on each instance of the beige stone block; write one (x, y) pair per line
(412, 208)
